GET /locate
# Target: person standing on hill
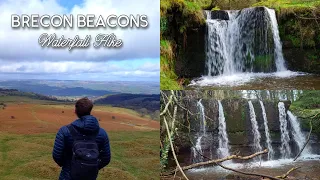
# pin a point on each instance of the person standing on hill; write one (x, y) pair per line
(81, 148)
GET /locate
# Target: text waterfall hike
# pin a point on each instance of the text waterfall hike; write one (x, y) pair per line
(36, 21)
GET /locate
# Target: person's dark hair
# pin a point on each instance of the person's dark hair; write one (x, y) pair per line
(83, 107)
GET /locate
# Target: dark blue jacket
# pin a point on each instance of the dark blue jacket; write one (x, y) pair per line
(62, 150)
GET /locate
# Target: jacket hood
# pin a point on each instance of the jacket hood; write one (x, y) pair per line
(87, 124)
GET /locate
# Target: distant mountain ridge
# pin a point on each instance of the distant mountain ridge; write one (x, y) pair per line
(15, 92)
(151, 102)
(144, 104)
(80, 88)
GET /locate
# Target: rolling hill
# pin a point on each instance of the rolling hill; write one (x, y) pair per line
(142, 103)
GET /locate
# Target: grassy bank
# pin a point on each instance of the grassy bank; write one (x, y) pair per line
(135, 155)
(176, 18)
(289, 4)
(306, 107)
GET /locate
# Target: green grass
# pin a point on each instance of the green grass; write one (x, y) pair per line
(24, 99)
(307, 106)
(168, 78)
(289, 4)
(191, 14)
(135, 155)
(308, 100)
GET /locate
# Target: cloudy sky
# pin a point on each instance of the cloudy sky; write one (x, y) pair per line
(21, 57)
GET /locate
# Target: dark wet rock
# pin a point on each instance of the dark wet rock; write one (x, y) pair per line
(237, 115)
(219, 14)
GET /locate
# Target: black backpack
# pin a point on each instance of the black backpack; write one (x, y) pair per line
(85, 156)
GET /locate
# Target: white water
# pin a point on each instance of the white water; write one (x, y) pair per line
(267, 134)
(298, 136)
(277, 43)
(202, 117)
(263, 164)
(197, 149)
(255, 129)
(233, 46)
(238, 79)
(285, 138)
(223, 149)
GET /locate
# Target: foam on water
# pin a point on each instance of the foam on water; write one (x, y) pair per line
(263, 164)
(238, 79)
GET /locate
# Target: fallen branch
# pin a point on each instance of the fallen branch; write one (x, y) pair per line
(287, 174)
(247, 173)
(312, 116)
(284, 176)
(225, 159)
(305, 144)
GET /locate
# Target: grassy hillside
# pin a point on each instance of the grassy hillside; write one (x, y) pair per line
(28, 157)
(145, 104)
(13, 96)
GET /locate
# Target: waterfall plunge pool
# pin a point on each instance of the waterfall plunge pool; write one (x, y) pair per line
(309, 167)
(242, 81)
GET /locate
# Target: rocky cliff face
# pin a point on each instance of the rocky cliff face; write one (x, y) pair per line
(238, 123)
(300, 38)
(191, 57)
(300, 34)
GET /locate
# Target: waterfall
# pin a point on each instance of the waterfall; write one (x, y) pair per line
(202, 117)
(266, 130)
(207, 14)
(276, 39)
(298, 136)
(198, 148)
(285, 138)
(255, 129)
(223, 149)
(243, 41)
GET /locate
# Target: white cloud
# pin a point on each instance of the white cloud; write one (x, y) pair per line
(78, 67)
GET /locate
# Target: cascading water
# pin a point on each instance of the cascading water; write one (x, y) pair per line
(223, 149)
(197, 149)
(243, 41)
(277, 43)
(202, 117)
(285, 138)
(255, 129)
(298, 136)
(266, 130)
